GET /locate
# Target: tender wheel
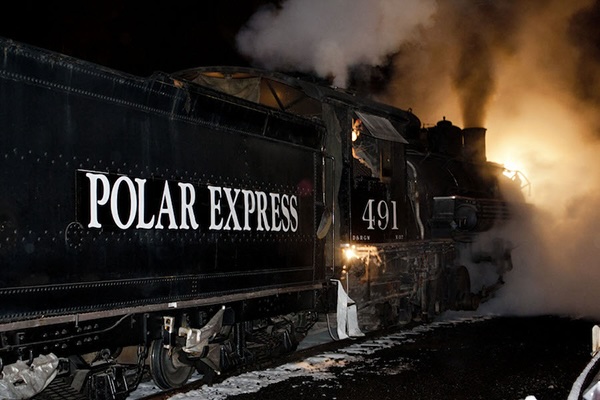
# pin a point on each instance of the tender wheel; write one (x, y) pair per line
(166, 371)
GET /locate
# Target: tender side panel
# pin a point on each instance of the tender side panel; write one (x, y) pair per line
(118, 192)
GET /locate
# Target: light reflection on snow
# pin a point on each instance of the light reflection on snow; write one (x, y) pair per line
(313, 368)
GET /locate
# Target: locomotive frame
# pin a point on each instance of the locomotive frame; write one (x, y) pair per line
(205, 219)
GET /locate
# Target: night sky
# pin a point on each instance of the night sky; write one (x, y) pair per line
(138, 38)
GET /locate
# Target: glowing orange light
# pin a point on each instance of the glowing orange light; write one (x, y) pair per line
(350, 253)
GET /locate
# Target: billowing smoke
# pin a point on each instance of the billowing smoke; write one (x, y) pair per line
(529, 71)
(330, 37)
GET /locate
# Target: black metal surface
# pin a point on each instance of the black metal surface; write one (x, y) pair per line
(63, 118)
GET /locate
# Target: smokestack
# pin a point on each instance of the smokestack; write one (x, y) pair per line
(474, 144)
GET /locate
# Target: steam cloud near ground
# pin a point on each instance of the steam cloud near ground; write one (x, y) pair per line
(529, 71)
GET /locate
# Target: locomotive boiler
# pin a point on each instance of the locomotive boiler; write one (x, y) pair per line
(202, 220)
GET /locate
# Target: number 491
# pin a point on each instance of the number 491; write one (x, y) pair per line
(380, 215)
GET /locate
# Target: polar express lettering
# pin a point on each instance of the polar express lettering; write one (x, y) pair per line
(109, 201)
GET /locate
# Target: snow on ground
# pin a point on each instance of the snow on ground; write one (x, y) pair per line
(316, 367)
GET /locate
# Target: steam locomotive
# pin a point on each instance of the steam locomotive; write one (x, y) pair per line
(206, 219)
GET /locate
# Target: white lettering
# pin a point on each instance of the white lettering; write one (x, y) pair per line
(380, 217)
(187, 206)
(294, 213)
(275, 220)
(249, 207)
(141, 206)
(94, 200)
(126, 202)
(261, 207)
(368, 215)
(285, 211)
(232, 213)
(114, 202)
(166, 207)
(215, 208)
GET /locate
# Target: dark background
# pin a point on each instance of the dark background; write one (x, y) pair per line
(138, 38)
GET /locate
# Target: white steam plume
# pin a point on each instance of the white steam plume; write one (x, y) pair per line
(328, 37)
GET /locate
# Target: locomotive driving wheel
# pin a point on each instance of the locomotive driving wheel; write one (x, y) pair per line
(166, 370)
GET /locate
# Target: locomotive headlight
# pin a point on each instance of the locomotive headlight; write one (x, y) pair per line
(509, 173)
(350, 253)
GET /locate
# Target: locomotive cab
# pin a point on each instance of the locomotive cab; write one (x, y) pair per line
(378, 180)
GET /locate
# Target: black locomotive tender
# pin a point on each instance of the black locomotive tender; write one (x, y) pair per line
(208, 218)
